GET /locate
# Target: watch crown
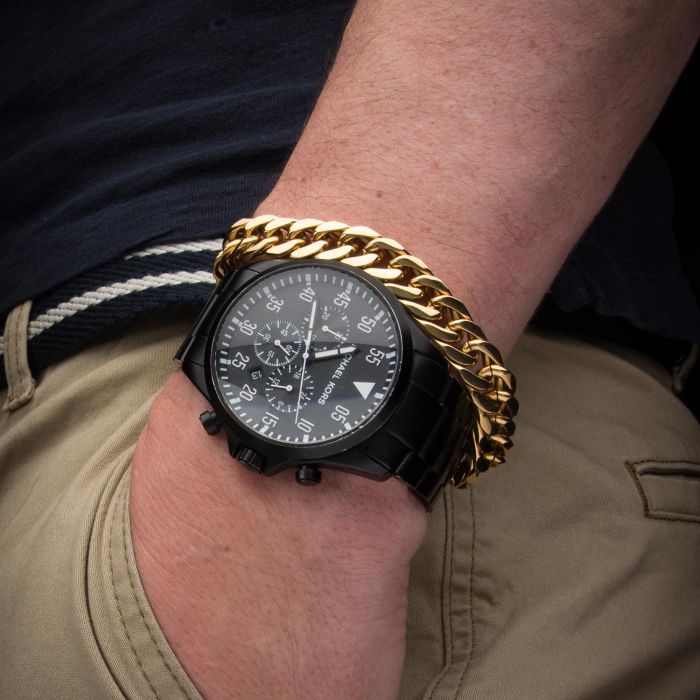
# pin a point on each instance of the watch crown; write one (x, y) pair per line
(252, 459)
(308, 475)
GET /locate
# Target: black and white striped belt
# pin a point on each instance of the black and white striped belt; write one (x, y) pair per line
(69, 317)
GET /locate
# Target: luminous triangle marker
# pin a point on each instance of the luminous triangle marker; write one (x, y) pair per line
(364, 388)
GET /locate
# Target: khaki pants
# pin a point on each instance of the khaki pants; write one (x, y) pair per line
(571, 572)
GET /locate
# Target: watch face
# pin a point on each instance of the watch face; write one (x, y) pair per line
(306, 354)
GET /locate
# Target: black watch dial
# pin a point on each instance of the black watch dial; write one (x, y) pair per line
(306, 354)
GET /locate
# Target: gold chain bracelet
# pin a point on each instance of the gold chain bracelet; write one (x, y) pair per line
(475, 362)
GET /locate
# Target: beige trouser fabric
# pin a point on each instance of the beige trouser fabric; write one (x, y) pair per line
(571, 572)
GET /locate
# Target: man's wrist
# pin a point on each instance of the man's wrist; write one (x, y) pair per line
(215, 542)
(205, 464)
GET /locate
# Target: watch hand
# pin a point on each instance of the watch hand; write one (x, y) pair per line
(321, 354)
(305, 356)
(286, 387)
(278, 343)
(326, 329)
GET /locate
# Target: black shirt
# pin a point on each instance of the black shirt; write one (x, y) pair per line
(131, 124)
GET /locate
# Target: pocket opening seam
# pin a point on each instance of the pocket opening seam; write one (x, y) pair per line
(637, 471)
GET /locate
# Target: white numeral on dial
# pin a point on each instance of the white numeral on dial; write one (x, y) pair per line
(274, 304)
(247, 392)
(366, 324)
(247, 327)
(306, 426)
(307, 294)
(270, 419)
(375, 356)
(240, 360)
(340, 413)
(342, 300)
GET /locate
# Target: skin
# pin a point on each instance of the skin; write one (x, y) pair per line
(484, 137)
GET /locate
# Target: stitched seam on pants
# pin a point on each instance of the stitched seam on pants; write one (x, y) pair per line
(447, 574)
(450, 569)
(119, 607)
(19, 388)
(648, 513)
(445, 621)
(13, 360)
(90, 617)
(471, 598)
(449, 590)
(143, 617)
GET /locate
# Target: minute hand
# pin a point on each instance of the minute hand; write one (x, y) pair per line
(306, 357)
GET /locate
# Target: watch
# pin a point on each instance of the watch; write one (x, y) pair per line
(329, 346)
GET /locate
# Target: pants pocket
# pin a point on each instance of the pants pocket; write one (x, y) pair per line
(670, 490)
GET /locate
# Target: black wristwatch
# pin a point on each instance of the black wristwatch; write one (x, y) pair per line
(314, 364)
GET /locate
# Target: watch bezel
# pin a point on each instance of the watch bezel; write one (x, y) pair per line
(278, 455)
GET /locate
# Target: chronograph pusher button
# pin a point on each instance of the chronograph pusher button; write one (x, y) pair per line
(211, 422)
(308, 475)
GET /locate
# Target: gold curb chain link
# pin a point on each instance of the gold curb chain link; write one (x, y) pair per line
(475, 362)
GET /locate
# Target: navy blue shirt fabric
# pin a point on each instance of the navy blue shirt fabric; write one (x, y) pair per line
(127, 124)
(627, 265)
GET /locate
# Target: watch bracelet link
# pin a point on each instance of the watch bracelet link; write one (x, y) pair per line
(474, 361)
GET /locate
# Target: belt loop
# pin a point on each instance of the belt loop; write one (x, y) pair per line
(20, 383)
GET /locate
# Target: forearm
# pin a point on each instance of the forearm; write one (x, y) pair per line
(484, 138)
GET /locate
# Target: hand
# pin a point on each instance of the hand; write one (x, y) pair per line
(286, 387)
(305, 355)
(308, 578)
(324, 354)
(278, 343)
(338, 336)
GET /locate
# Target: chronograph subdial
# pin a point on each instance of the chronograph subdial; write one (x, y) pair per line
(277, 343)
(282, 389)
(333, 327)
